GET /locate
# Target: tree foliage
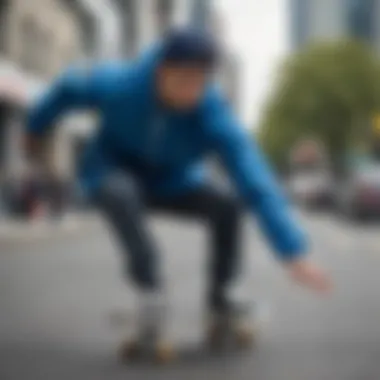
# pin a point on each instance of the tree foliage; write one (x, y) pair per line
(330, 91)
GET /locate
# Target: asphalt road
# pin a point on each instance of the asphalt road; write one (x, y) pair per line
(56, 300)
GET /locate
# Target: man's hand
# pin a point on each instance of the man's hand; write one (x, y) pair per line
(308, 274)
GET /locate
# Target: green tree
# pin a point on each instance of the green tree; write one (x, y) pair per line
(330, 91)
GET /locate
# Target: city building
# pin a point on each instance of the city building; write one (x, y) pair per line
(87, 20)
(312, 20)
(38, 39)
(229, 78)
(143, 21)
(204, 14)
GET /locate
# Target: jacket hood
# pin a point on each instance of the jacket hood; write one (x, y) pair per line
(144, 70)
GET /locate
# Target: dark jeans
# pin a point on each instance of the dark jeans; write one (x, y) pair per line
(125, 203)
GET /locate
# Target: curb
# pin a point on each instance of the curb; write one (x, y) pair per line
(11, 235)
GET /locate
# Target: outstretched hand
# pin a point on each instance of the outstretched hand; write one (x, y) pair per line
(308, 274)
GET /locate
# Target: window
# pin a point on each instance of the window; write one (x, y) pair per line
(37, 44)
(29, 43)
(4, 8)
(164, 13)
(299, 10)
(129, 27)
(361, 19)
(45, 55)
(201, 13)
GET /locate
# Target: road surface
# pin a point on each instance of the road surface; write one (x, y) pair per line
(56, 300)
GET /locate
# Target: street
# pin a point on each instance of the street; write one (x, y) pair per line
(56, 301)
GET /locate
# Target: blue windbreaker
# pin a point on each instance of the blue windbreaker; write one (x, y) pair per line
(166, 147)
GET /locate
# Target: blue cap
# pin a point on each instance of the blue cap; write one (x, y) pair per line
(190, 45)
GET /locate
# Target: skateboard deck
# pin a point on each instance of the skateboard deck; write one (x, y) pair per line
(220, 342)
(195, 352)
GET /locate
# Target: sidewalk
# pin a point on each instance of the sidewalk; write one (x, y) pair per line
(12, 231)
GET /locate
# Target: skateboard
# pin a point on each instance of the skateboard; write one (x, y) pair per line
(223, 335)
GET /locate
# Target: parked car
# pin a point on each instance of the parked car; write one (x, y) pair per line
(358, 195)
(311, 188)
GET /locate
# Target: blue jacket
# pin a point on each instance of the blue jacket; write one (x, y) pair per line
(166, 147)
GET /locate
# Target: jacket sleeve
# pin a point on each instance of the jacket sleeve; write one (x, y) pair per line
(75, 89)
(255, 181)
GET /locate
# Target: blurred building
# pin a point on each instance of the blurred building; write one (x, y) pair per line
(333, 19)
(229, 78)
(229, 73)
(202, 12)
(143, 21)
(87, 21)
(39, 38)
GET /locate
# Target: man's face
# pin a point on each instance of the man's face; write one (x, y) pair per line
(181, 87)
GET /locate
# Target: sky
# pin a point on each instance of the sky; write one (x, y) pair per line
(256, 31)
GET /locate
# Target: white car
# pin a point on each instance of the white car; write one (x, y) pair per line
(311, 188)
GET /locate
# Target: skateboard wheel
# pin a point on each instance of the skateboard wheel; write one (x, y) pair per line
(214, 337)
(129, 351)
(164, 353)
(245, 337)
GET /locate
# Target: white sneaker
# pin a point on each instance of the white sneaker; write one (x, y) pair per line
(151, 316)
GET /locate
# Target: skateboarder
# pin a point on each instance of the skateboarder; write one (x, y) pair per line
(160, 117)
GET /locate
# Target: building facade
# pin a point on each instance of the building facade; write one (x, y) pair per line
(39, 38)
(143, 21)
(205, 15)
(314, 20)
